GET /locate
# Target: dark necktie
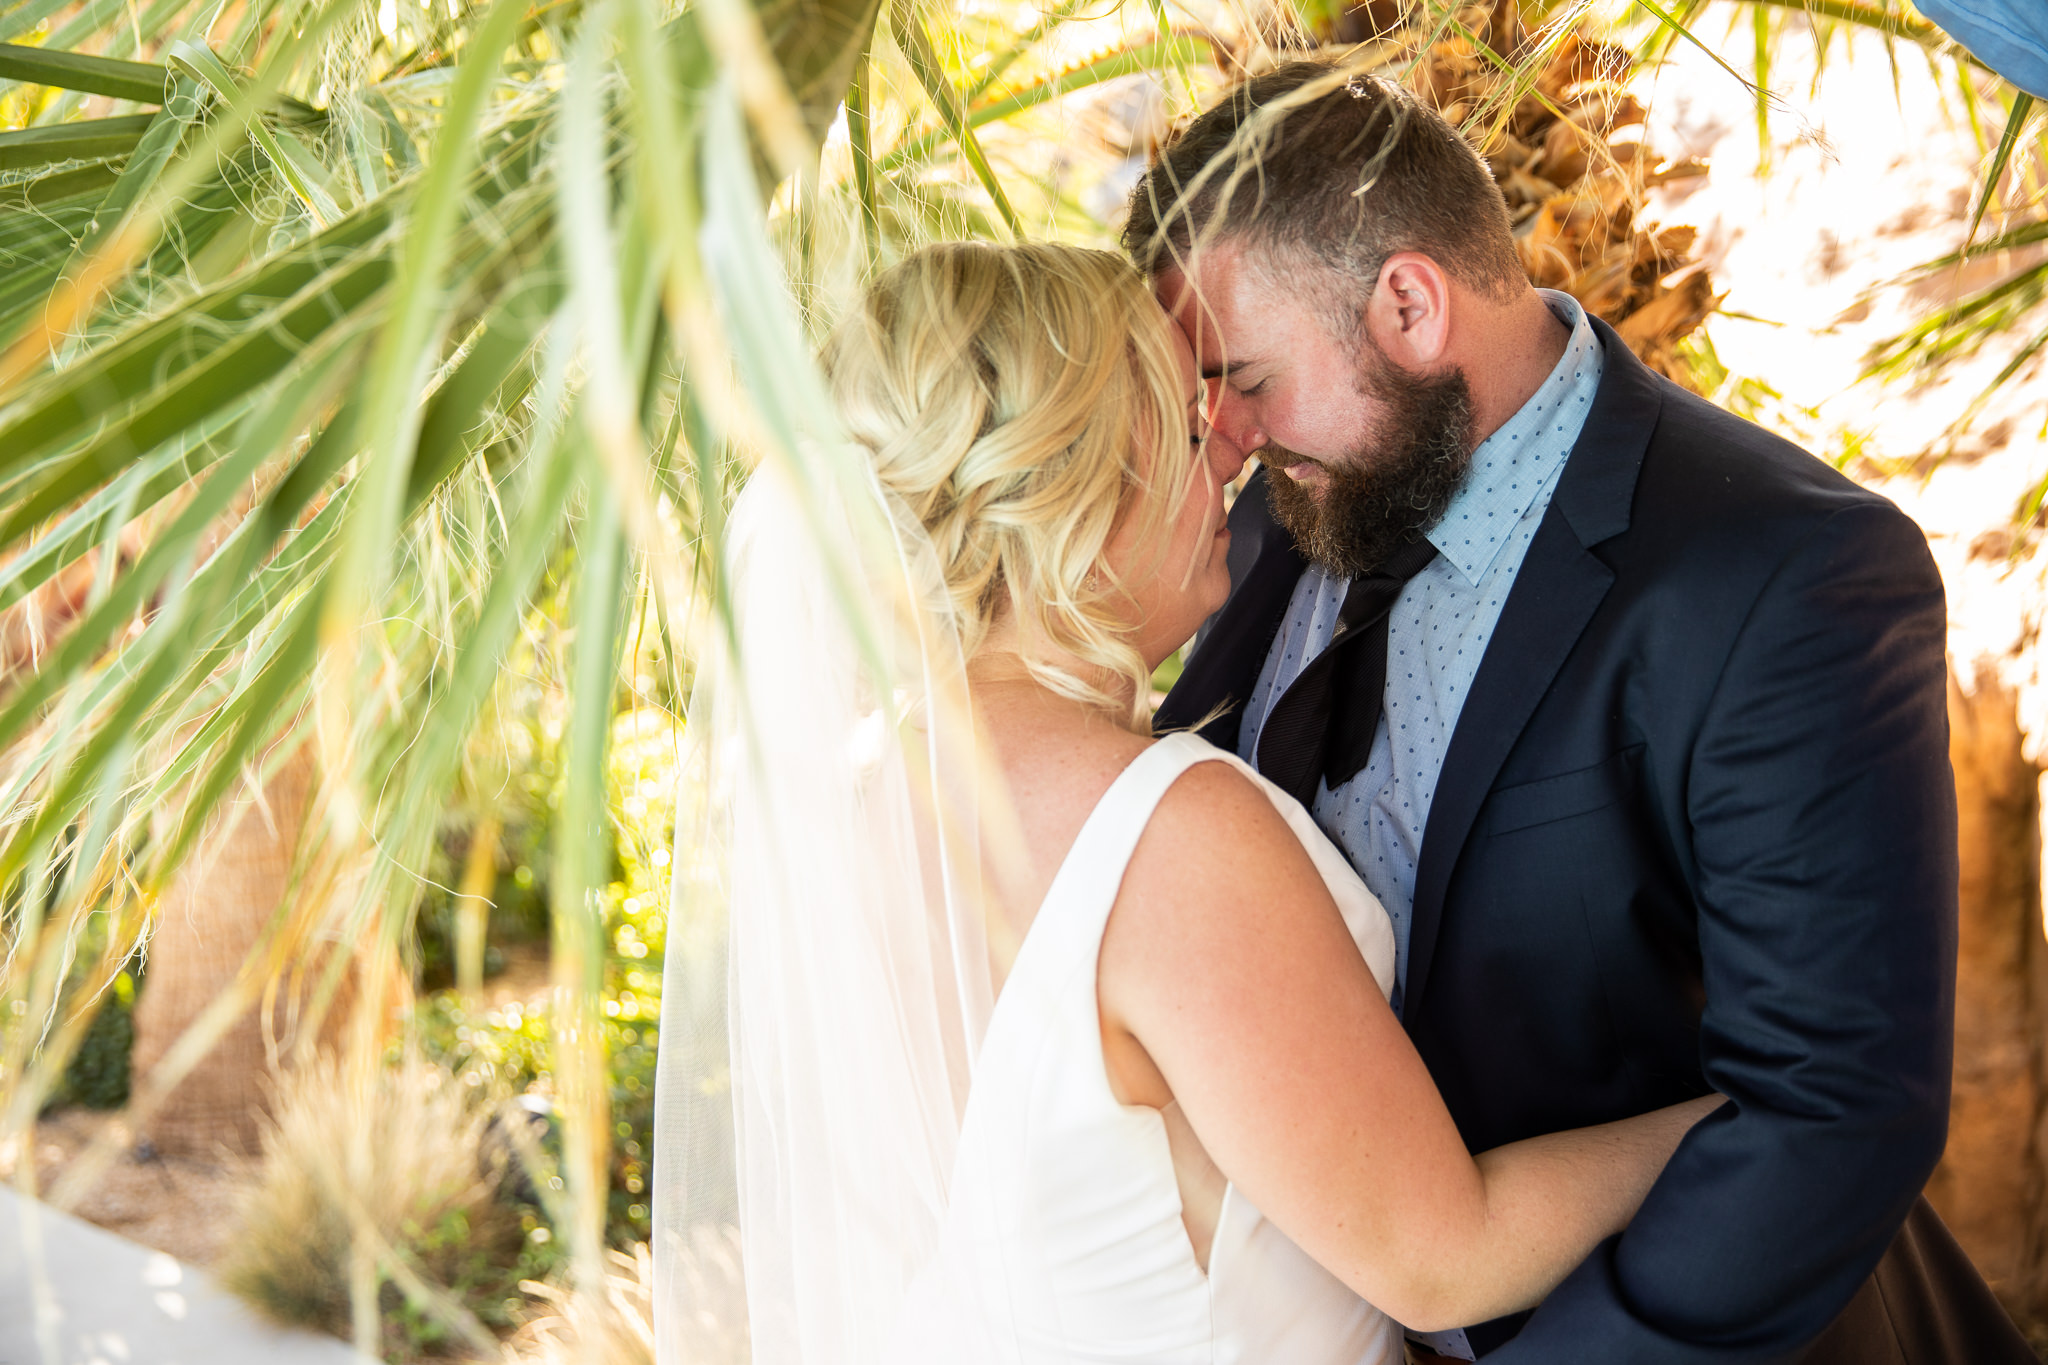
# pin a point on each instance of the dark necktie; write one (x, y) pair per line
(1308, 737)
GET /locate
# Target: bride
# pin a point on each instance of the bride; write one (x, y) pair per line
(1050, 1041)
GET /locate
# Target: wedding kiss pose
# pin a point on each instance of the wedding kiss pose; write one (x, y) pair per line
(1630, 714)
(1052, 1042)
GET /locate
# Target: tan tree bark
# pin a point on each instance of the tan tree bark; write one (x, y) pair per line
(1991, 1184)
(208, 920)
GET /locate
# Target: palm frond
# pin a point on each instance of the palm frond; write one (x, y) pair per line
(1152, 55)
(908, 28)
(2008, 141)
(139, 81)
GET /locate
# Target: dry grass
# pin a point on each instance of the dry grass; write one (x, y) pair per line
(616, 1325)
(384, 1174)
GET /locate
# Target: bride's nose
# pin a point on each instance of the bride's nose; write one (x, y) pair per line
(1226, 458)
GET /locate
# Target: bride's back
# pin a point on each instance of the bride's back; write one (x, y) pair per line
(1054, 763)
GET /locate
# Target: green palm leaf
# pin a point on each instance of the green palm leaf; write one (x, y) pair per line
(908, 27)
(2008, 142)
(91, 140)
(138, 81)
(1157, 54)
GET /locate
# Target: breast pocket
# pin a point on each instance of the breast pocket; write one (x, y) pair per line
(1564, 795)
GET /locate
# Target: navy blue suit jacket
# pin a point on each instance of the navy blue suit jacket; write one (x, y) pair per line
(1695, 831)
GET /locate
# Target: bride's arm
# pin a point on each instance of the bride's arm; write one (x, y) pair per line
(1230, 984)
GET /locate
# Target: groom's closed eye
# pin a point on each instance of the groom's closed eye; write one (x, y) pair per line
(1232, 377)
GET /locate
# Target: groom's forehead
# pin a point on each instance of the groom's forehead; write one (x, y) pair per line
(1216, 299)
(1210, 271)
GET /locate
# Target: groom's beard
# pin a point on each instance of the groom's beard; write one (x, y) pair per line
(1392, 488)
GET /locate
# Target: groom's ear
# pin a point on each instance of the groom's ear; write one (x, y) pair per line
(1409, 313)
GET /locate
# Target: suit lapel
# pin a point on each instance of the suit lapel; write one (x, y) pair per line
(1232, 647)
(1558, 588)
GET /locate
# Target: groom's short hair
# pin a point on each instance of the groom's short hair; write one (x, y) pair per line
(1309, 161)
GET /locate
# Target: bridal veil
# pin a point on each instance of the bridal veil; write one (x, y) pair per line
(839, 829)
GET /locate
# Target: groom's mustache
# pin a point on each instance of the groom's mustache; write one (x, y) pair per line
(1278, 458)
(1391, 487)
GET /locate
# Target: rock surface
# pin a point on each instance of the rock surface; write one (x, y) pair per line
(109, 1301)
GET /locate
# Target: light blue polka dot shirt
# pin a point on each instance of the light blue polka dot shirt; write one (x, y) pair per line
(1438, 631)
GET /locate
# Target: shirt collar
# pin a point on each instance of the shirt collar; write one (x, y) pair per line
(1521, 459)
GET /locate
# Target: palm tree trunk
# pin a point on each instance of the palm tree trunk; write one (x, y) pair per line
(208, 921)
(1992, 1182)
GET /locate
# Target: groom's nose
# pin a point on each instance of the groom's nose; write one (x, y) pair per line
(1231, 415)
(1226, 457)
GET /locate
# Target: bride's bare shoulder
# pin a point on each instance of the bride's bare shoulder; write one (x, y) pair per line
(1219, 903)
(1217, 837)
(1213, 794)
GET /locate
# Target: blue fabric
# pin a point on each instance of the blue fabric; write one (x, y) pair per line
(2009, 36)
(1438, 630)
(1694, 830)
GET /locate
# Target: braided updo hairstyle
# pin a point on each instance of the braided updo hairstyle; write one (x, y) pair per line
(1021, 400)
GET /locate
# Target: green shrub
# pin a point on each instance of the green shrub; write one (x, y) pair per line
(506, 1051)
(97, 1076)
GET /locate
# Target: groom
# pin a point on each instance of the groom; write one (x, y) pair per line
(1631, 714)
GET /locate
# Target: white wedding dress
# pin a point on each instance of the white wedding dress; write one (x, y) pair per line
(1064, 1240)
(913, 1168)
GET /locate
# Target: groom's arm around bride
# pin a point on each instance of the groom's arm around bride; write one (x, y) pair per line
(1692, 828)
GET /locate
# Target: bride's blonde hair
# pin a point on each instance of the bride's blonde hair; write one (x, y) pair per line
(1007, 394)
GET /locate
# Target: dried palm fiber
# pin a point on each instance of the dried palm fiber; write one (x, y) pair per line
(1567, 153)
(1575, 188)
(38, 620)
(615, 1323)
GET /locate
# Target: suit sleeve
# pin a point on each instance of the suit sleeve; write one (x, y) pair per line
(1822, 828)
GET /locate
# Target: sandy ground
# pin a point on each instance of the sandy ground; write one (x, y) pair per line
(170, 1204)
